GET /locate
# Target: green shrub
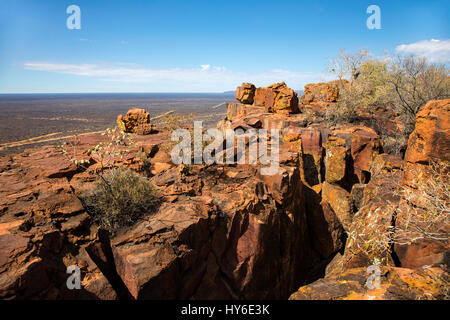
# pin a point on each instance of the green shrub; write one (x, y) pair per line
(402, 84)
(119, 198)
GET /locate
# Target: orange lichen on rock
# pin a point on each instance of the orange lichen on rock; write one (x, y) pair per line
(245, 93)
(395, 284)
(276, 98)
(135, 121)
(429, 141)
(335, 159)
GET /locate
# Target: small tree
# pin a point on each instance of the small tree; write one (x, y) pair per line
(364, 94)
(403, 84)
(415, 82)
(347, 65)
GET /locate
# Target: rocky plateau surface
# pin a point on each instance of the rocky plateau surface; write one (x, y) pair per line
(226, 231)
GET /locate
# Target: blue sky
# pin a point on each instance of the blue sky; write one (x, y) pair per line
(201, 46)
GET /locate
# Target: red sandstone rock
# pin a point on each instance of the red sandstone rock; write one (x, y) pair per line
(135, 121)
(277, 98)
(237, 110)
(422, 253)
(327, 229)
(322, 92)
(321, 96)
(245, 93)
(264, 95)
(365, 146)
(340, 201)
(395, 284)
(336, 160)
(430, 139)
(223, 232)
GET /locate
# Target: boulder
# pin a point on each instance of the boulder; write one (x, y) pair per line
(430, 139)
(277, 98)
(245, 93)
(321, 92)
(286, 101)
(263, 96)
(318, 97)
(135, 121)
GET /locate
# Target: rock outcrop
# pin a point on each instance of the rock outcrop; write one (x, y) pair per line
(379, 215)
(222, 232)
(276, 98)
(318, 97)
(228, 231)
(245, 93)
(430, 140)
(428, 153)
(135, 121)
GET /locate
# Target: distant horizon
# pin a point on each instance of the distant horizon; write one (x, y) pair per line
(124, 92)
(229, 92)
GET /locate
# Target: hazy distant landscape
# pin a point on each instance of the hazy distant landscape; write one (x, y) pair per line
(47, 117)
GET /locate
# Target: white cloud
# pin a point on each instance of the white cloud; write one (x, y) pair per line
(204, 79)
(434, 50)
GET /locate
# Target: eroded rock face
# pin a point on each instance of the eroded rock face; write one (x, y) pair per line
(395, 284)
(276, 98)
(44, 228)
(135, 121)
(222, 231)
(150, 261)
(224, 236)
(336, 160)
(340, 202)
(373, 220)
(365, 145)
(430, 139)
(264, 96)
(245, 93)
(318, 97)
(427, 145)
(421, 253)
